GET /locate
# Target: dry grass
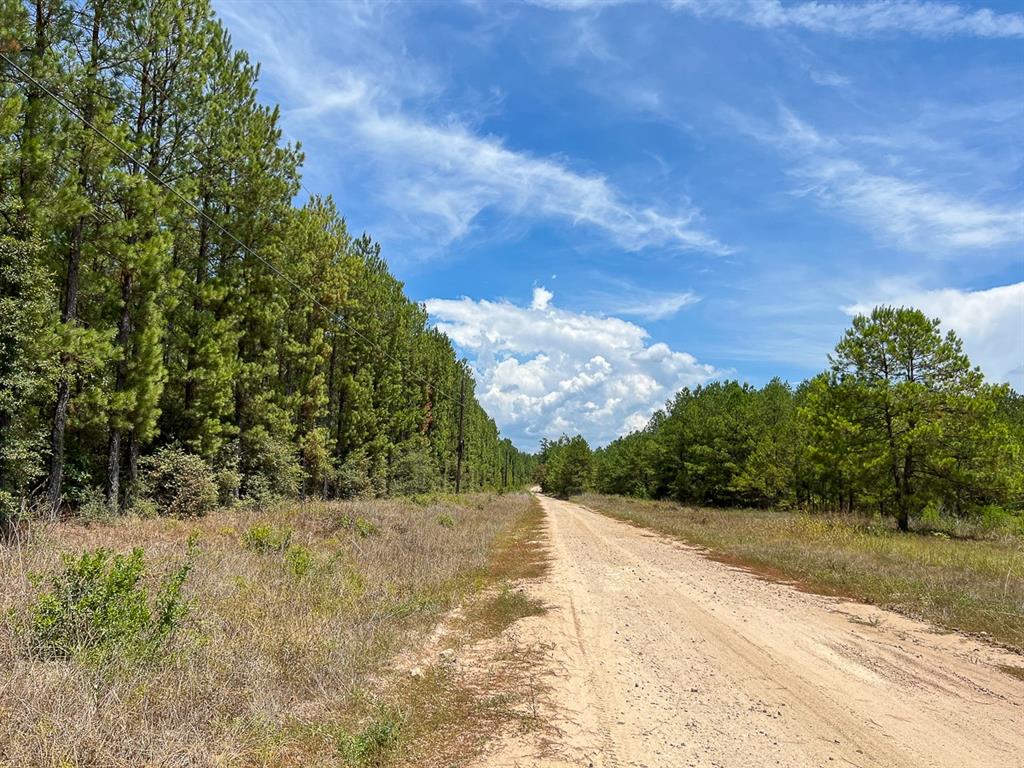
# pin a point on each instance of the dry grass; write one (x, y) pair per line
(964, 584)
(276, 665)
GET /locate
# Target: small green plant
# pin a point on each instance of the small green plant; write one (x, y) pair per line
(298, 560)
(371, 746)
(360, 525)
(445, 520)
(264, 538)
(98, 609)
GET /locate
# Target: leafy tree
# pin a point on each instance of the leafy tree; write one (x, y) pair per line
(909, 390)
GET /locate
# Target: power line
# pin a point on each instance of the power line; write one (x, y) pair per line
(199, 212)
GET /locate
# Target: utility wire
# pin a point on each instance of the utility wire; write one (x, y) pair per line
(199, 212)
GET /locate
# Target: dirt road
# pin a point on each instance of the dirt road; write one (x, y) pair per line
(658, 656)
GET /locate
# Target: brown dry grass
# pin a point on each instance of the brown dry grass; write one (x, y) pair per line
(969, 585)
(271, 668)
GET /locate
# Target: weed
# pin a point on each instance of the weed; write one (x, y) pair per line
(445, 520)
(298, 560)
(374, 743)
(264, 538)
(359, 525)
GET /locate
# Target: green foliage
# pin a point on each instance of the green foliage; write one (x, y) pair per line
(900, 425)
(180, 483)
(362, 527)
(270, 467)
(98, 609)
(128, 320)
(445, 520)
(413, 470)
(372, 746)
(265, 538)
(299, 560)
(566, 466)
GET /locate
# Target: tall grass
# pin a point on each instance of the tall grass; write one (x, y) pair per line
(295, 611)
(972, 582)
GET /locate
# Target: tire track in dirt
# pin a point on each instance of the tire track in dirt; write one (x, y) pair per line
(660, 657)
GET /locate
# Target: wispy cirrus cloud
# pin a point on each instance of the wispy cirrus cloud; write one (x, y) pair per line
(909, 212)
(441, 171)
(543, 370)
(848, 19)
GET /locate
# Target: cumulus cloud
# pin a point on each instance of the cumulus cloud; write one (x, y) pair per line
(543, 370)
(990, 322)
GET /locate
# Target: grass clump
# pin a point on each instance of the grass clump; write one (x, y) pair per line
(97, 609)
(265, 538)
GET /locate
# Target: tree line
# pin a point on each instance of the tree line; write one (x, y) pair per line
(206, 313)
(899, 424)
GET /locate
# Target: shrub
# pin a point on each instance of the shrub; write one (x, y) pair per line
(372, 746)
(445, 520)
(269, 466)
(298, 560)
(92, 505)
(413, 469)
(360, 525)
(352, 480)
(264, 538)
(98, 609)
(181, 483)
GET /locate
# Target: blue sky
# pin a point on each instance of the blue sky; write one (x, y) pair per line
(602, 202)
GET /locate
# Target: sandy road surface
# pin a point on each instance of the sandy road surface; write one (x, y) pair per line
(657, 656)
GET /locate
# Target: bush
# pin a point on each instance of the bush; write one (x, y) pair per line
(181, 483)
(270, 467)
(372, 746)
(92, 505)
(445, 520)
(264, 538)
(298, 560)
(413, 469)
(98, 609)
(360, 525)
(352, 480)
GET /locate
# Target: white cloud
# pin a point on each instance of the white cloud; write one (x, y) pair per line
(441, 173)
(829, 79)
(848, 19)
(990, 322)
(910, 213)
(655, 306)
(543, 370)
(541, 298)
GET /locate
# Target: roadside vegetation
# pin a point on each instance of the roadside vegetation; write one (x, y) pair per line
(900, 426)
(213, 317)
(263, 636)
(964, 575)
(894, 477)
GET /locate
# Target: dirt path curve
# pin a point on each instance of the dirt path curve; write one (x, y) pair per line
(657, 656)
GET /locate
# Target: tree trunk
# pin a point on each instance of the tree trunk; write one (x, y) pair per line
(124, 331)
(132, 485)
(114, 469)
(55, 478)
